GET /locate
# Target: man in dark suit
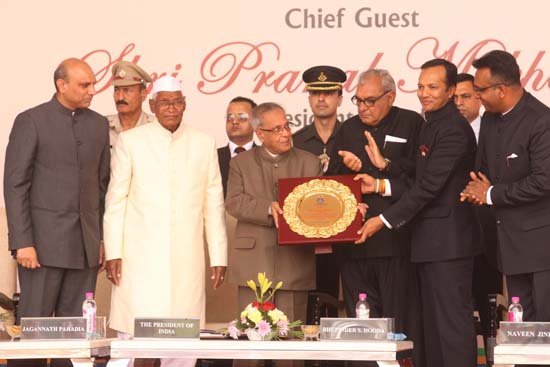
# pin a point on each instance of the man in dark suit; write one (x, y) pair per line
(513, 164)
(382, 269)
(445, 233)
(55, 178)
(486, 279)
(240, 134)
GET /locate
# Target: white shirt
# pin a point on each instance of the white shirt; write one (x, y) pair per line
(233, 146)
(476, 124)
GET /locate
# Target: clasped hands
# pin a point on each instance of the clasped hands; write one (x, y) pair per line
(476, 190)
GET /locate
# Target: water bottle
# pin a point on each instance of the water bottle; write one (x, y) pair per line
(362, 308)
(89, 311)
(515, 311)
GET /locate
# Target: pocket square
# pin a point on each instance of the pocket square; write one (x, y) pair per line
(511, 156)
(394, 139)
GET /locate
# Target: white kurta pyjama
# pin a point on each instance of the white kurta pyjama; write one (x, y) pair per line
(165, 193)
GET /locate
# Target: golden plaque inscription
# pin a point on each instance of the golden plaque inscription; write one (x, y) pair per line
(320, 208)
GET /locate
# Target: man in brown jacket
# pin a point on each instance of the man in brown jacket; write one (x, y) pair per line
(252, 199)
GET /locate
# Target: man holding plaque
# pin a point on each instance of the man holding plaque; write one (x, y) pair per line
(252, 198)
(382, 269)
(445, 232)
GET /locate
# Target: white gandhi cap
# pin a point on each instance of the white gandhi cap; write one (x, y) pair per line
(166, 84)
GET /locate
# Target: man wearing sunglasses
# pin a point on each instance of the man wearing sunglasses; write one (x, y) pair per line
(381, 269)
(239, 132)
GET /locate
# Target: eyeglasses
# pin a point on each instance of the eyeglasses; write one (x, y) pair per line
(241, 117)
(483, 89)
(278, 130)
(178, 104)
(368, 102)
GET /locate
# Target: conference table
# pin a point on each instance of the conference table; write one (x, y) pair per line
(81, 352)
(511, 354)
(386, 353)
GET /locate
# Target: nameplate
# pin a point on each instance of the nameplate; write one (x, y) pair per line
(356, 329)
(53, 328)
(166, 328)
(524, 333)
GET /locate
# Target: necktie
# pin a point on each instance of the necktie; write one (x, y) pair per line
(239, 150)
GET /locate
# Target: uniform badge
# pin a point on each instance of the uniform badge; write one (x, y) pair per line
(322, 77)
(121, 73)
(324, 158)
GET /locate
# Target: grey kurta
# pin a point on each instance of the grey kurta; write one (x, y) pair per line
(251, 188)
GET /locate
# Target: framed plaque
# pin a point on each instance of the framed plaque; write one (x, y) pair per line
(319, 210)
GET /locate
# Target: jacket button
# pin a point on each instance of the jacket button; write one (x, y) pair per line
(498, 221)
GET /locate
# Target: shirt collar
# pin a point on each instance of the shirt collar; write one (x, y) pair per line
(64, 110)
(442, 112)
(232, 147)
(311, 131)
(165, 132)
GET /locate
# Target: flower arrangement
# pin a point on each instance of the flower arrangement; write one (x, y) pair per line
(261, 319)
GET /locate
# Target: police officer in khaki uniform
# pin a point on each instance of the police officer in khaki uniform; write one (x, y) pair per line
(130, 83)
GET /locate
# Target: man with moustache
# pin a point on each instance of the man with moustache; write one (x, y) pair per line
(445, 233)
(157, 215)
(513, 178)
(130, 90)
(252, 198)
(240, 134)
(381, 269)
(55, 178)
(467, 101)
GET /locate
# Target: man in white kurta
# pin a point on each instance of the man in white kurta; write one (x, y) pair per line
(165, 193)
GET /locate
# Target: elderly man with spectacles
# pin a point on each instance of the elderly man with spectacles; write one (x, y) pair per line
(164, 198)
(252, 194)
(380, 143)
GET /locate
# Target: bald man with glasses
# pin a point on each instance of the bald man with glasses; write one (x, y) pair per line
(252, 198)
